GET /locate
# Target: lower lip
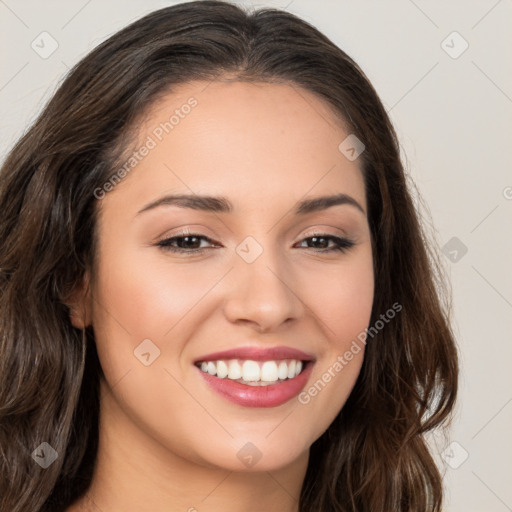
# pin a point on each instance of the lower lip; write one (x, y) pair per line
(259, 396)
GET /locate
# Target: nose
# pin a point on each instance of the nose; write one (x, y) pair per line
(262, 294)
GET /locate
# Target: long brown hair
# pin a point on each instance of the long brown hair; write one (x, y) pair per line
(374, 456)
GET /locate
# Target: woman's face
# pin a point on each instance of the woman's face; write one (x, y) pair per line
(264, 287)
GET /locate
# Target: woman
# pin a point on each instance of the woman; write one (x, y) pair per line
(215, 289)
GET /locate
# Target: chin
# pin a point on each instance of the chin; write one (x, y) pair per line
(255, 453)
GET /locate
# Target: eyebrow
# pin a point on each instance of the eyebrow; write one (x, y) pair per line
(219, 204)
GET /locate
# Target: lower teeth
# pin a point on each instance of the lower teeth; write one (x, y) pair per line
(258, 382)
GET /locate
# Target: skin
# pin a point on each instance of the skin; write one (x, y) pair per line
(167, 441)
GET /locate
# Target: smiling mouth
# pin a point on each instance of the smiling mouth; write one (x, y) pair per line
(254, 373)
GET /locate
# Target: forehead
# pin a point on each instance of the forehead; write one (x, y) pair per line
(246, 110)
(241, 140)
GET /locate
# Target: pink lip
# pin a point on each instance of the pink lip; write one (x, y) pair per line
(258, 354)
(259, 396)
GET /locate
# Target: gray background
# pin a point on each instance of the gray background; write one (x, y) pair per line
(453, 114)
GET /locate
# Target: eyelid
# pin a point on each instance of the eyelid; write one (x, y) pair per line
(187, 231)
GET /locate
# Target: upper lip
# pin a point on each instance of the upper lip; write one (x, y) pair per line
(258, 354)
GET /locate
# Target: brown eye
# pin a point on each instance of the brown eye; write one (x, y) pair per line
(184, 243)
(340, 244)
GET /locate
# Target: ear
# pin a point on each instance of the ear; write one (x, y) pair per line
(79, 302)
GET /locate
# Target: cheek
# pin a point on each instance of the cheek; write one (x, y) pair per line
(344, 308)
(137, 301)
(148, 296)
(140, 298)
(343, 300)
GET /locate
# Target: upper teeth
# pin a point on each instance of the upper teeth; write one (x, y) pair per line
(253, 371)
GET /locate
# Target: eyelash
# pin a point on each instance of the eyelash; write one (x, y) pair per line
(342, 244)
